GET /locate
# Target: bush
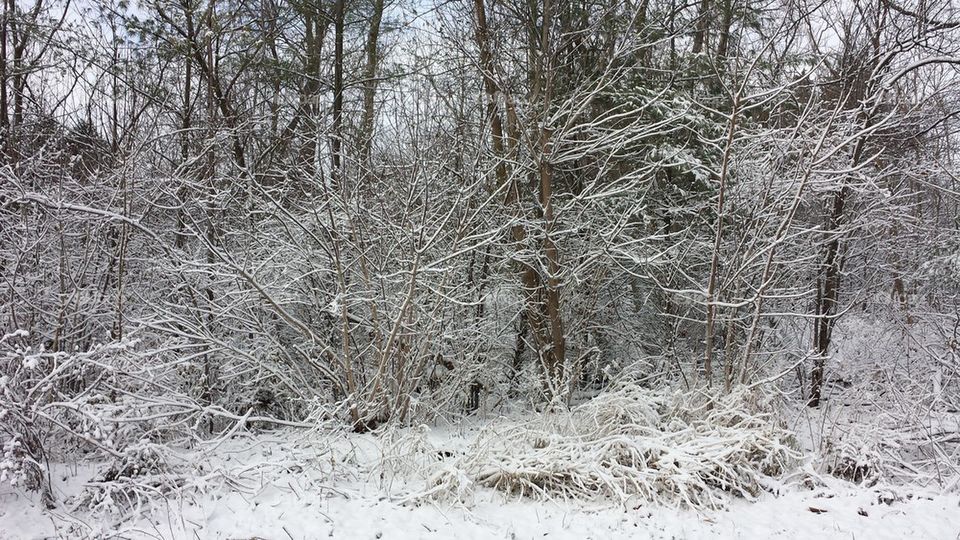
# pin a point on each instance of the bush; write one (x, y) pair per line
(664, 446)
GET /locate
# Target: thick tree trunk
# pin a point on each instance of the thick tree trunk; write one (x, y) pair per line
(723, 43)
(482, 36)
(703, 22)
(555, 355)
(370, 82)
(336, 143)
(826, 308)
(553, 350)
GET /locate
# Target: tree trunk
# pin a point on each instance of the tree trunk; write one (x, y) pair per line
(180, 238)
(718, 238)
(553, 350)
(555, 356)
(826, 308)
(4, 115)
(370, 82)
(336, 143)
(549, 349)
(700, 34)
(723, 43)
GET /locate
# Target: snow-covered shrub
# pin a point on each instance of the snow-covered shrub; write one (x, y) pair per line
(405, 451)
(139, 473)
(56, 403)
(858, 463)
(26, 384)
(893, 395)
(659, 445)
(22, 464)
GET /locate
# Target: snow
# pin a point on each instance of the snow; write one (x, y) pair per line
(292, 485)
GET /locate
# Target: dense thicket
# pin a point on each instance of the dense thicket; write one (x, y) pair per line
(383, 211)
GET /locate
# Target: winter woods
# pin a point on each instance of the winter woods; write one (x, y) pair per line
(221, 214)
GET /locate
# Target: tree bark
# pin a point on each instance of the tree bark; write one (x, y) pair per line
(544, 321)
(553, 352)
(826, 309)
(700, 33)
(336, 143)
(723, 43)
(718, 238)
(370, 82)
(180, 238)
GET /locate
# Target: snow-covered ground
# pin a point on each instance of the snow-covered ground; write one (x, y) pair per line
(292, 485)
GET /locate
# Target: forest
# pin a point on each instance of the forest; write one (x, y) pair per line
(471, 261)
